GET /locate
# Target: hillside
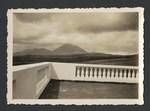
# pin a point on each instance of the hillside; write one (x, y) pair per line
(72, 54)
(66, 49)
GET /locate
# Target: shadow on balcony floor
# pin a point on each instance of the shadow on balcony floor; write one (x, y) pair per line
(88, 90)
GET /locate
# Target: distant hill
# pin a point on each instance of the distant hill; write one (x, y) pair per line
(68, 49)
(40, 51)
(72, 54)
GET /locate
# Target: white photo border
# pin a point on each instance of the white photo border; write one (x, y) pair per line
(139, 101)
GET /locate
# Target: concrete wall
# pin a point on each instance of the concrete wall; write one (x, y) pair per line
(62, 71)
(29, 81)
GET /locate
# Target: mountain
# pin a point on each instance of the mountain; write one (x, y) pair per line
(68, 49)
(72, 54)
(39, 51)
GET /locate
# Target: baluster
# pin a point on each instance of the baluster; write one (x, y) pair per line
(93, 70)
(104, 72)
(125, 73)
(122, 73)
(112, 72)
(87, 72)
(101, 72)
(135, 74)
(76, 71)
(84, 71)
(108, 73)
(97, 72)
(89, 69)
(116, 73)
(129, 73)
(80, 69)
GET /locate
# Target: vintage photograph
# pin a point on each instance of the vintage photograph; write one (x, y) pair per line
(75, 56)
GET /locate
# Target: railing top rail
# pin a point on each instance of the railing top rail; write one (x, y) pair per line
(110, 66)
(99, 65)
(28, 66)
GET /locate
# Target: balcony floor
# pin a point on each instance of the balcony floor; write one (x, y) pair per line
(89, 90)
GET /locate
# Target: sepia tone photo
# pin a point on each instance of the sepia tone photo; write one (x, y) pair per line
(75, 56)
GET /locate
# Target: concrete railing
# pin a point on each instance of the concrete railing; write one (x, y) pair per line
(107, 73)
(99, 73)
(29, 81)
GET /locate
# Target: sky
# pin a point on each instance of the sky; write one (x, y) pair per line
(109, 32)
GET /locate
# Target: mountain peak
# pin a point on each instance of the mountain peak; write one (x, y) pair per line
(69, 49)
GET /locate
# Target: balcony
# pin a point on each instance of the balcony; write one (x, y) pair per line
(51, 80)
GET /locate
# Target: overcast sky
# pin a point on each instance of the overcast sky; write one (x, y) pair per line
(115, 33)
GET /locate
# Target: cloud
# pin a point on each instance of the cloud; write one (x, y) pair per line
(32, 17)
(97, 22)
(94, 32)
